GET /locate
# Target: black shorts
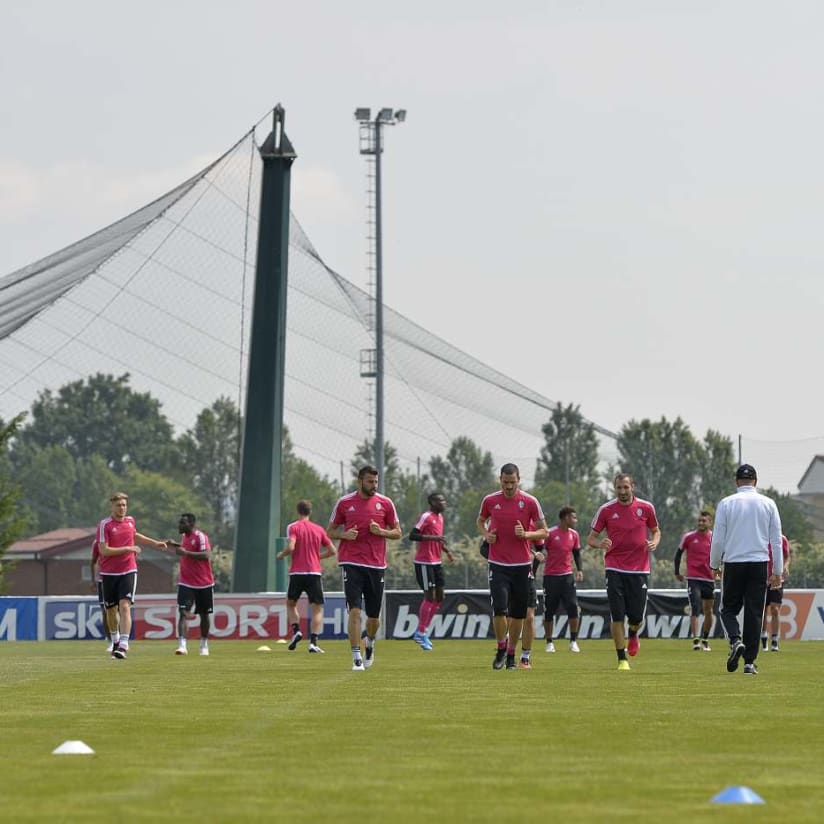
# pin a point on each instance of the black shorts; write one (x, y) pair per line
(117, 588)
(775, 596)
(509, 590)
(627, 595)
(560, 590)
(100, 599)
(699, 591)
(202, 599)
(429, 576)
(302, 582)
(363, 588)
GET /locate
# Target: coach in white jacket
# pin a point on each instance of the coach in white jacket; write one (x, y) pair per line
(746, 523)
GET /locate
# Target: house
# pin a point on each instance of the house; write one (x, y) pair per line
(811, 495)
(59, 563)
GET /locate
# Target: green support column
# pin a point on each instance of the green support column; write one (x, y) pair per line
(259, 516)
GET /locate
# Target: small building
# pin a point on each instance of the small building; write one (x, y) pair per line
(59, 563)
(811, 495)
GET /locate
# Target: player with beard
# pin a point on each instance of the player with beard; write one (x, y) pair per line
(363, 521)
(501, 521)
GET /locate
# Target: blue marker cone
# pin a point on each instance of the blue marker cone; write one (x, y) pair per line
(737, 795)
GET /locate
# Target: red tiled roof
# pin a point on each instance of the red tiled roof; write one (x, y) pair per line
(52, 540)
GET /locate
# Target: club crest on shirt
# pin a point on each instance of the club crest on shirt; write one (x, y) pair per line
(639, 512)
(378, 505)
(520, 504)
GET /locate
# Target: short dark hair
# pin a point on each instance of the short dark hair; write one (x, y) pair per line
(510, 469)
(304, 507)
(566, 510)
(432, 495)
(366, 470)
(189, 516)
(119, 496)
(704, 512)
(622, 476)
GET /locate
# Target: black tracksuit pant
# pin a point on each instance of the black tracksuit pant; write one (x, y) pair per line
(744, 585)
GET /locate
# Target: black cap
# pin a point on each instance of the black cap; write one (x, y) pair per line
(745, 472)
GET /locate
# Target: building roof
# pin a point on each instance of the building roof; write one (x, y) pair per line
(809, 469)
(56, 542)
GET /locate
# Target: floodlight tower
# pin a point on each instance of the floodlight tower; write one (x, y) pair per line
(371, 145)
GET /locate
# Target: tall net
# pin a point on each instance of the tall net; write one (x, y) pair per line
(166, 293)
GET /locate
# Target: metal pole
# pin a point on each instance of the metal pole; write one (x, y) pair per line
(379, 437)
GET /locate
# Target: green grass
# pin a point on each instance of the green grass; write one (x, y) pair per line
(249, 736)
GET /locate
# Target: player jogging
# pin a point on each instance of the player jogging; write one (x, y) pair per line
(700, 578)
(427, 534)
(305, 539)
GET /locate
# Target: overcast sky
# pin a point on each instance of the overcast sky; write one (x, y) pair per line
(618, 204)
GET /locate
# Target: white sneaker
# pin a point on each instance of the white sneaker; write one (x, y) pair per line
(550, 647)
(573, 646)
(181, 650)
(204, 650)
(110, 647)
(369, 658)
(314, 648)
(357, 666)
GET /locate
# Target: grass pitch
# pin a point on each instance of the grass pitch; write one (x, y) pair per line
(288, 736)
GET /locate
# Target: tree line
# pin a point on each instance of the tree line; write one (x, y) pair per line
(60, 462)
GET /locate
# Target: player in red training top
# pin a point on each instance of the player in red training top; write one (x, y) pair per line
(97, 586)
(363, 521)
(562, 545)
(775, 597)
(501, 522)
(632, 533)
(699, 577)
(195, 582)
(118, 537)
(305, 540)
(427, 534)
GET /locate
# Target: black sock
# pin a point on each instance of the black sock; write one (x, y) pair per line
(313, 639)
(622, 654)
(295, 628)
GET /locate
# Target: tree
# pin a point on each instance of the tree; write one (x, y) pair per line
(12, 522)
(365, 456)
(103, 416)
(717, 468)
(301, 481)
(570, 454)
(60, 490)
(156, 502)
(464, 475)
(794, 523)
(210, 457)
(664, 459)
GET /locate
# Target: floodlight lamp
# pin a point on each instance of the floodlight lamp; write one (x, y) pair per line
(400, 115)
(385, 115)
(364, 115)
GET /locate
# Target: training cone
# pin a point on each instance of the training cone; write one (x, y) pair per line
(281, 640)
(73, 748)
(738, 795)
(264, 648)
